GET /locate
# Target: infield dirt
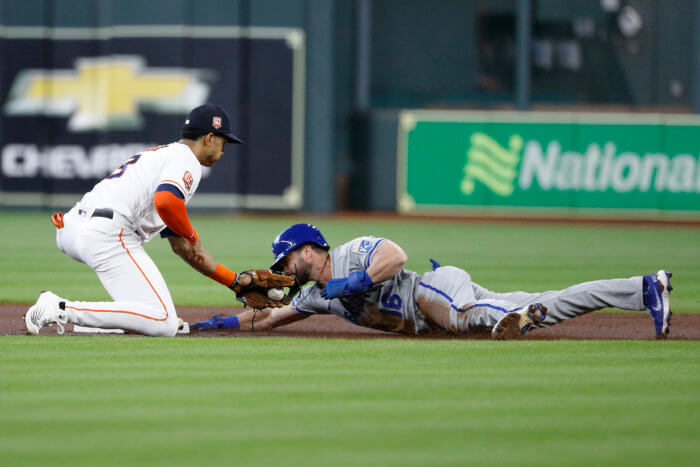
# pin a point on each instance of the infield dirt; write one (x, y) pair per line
(597, 325)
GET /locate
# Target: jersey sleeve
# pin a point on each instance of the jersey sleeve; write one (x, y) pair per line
(358, 253)
(309, 301)
(181, 175)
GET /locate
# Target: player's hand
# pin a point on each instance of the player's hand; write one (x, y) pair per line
(262, 279)
(356, 282)
(243, 281)
(216, 322)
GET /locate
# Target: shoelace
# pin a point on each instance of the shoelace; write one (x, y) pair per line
(60, 329)
(60, 320)
(34, 317)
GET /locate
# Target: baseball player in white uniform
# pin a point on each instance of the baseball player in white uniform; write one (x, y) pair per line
(106, 230)
(363, 281)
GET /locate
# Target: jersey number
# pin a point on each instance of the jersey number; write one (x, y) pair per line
(392, 302)
(122, 168)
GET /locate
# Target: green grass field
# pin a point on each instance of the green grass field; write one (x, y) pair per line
(282, 401)
(127, 401)
(500, 257)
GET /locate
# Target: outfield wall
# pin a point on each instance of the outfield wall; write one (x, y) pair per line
(455, 161)
(75, 98)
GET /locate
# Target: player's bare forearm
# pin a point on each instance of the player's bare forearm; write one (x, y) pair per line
(194, 254)
(268, 318)
(387, 261)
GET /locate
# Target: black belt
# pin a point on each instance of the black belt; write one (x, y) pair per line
(108, 213)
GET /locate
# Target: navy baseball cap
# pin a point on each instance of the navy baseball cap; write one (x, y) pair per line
(212, 118)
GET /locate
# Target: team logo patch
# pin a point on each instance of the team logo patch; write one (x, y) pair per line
(216, 122)
(363, 246)
(187, 179)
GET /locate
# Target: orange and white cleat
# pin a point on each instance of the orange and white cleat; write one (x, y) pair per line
(45, 312)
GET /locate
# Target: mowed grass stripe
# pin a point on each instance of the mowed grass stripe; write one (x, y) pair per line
(118, 400)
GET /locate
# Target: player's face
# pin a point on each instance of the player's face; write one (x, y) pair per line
(214, 145)
(295, 265)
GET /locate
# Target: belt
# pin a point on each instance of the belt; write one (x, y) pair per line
(108, 213)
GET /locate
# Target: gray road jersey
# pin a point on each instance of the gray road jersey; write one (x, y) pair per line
(389, 306)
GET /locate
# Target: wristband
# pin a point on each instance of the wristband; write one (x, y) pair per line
(359, 281)
(230, 322)
(356, 282)
(224, 275)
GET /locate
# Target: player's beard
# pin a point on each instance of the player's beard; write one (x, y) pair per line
(302, 273)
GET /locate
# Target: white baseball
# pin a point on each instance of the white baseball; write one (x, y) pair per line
(275, 294)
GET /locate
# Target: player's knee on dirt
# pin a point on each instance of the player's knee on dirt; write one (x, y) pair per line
(163, 323)
(166, 328)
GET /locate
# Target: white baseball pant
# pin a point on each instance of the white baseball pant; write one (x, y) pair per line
(142, 302)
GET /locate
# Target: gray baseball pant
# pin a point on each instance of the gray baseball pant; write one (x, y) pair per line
(448, 297)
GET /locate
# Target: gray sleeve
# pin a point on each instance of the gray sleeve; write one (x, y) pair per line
(357, 253)
(309, 301)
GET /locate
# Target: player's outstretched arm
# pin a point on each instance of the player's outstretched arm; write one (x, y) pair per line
(201, 260)
(170, 205)
(269, 318)
(253, 320)
(194, 254)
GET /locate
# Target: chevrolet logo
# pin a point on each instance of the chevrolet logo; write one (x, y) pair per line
(106, 92)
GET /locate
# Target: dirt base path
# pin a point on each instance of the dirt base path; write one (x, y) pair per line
(599, 325)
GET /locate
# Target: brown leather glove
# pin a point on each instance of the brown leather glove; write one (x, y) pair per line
(255, 295)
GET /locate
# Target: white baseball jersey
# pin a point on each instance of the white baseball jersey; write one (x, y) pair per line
(130, 188)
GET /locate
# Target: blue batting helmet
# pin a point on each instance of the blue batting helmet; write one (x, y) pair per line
(293, 237)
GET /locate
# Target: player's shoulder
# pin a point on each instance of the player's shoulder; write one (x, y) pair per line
(363, 245)
(171, 150)
(180, 155)
(161, 150)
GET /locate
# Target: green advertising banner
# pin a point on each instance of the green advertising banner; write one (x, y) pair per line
(452, 160)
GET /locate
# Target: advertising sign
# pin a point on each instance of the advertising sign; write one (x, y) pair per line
(555, 160)
(76, 103)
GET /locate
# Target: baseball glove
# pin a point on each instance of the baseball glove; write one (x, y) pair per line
(255, 295)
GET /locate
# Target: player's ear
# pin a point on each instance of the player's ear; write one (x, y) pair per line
(307, 252)
(209, 138)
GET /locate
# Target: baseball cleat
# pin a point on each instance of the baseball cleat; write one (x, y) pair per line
(45, 312)
(517, 323)
(656, 289)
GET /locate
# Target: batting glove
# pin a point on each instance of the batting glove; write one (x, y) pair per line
(356, 282)
(216, 322)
